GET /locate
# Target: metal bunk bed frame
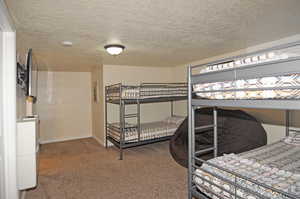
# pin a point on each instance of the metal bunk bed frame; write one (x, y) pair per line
(123, 102)
(273, 68)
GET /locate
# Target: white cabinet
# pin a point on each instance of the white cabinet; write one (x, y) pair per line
(27, 149)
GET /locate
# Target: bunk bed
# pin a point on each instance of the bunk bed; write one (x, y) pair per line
(266, 79)
(124, 134)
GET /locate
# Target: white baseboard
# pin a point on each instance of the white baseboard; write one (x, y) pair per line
(101, 142)
(64, 139)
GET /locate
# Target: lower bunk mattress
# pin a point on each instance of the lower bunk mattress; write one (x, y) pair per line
(149, 131)
(276, 165)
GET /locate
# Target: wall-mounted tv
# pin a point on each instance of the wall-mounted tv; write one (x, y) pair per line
(32, 75)
(22, 76)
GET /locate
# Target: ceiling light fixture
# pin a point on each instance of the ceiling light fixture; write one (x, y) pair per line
(67, 43)
(114, 49)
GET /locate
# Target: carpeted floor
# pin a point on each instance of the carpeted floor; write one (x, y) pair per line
(83, 169)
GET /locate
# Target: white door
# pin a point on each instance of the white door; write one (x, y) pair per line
(8, 170)
(1, 129)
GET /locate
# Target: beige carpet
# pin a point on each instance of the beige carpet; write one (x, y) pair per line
(83, 169)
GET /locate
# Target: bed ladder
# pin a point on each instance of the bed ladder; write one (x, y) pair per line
(123, 117)
(192, 152)
(213, 126)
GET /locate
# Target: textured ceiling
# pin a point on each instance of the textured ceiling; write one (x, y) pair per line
(155, 32)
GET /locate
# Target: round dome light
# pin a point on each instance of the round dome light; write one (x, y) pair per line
(67, 43)
(114, 49)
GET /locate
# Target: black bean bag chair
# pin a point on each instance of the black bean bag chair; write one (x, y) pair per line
(237, 132)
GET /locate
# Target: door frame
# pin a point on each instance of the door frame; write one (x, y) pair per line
(8, 105)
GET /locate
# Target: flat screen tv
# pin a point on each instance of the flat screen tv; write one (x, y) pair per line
(32, 75)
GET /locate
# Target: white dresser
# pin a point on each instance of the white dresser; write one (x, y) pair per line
(27, 152)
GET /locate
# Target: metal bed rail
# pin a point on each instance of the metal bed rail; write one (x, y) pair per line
(276, 68)
(113, 129)
(116, 134)
(113, 92)
(235, 183)
(113, 88)
(131, 144)
(145, 90)
(228, 59)
(248, 89)
(118, 128)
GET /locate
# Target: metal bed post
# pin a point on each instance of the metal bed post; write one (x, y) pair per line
(139, 114)
(172, 108)
(139, 119)
(122, 136)
(287, 122)
(215, 131)
(190, 137)
(193, 154)
(105, 116)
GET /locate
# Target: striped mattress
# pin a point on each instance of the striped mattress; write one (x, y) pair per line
(145, 93)
(276, 165)
(150, 130)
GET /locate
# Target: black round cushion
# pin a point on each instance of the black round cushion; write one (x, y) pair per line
(237, 132)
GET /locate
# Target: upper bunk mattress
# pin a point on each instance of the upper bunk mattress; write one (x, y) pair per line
(134, 93)
(276, 165)
(278, 87)
(117, 92)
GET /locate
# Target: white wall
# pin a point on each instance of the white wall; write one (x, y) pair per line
(97, 106)
(179, 74)
(64, 105)
(274, 132)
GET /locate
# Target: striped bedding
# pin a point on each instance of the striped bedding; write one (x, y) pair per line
(276, 165)
(150, 130)
(134, 93)
(145, 93)
(283, 87)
